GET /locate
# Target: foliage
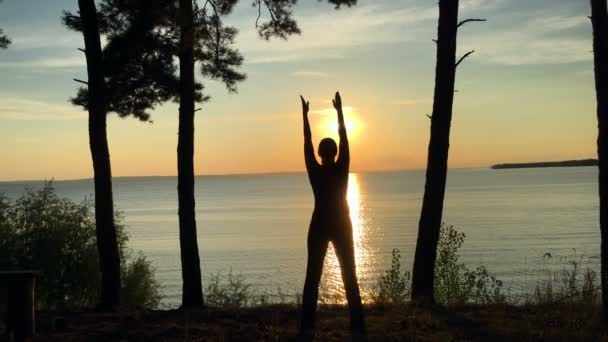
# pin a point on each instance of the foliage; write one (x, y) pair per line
(143, 41)
(454, 282)
(228, 291)
(571, 284)
(4, 40)
(394, 286)
(41, 231)
(139, 286)
(280, 21)
(138, 67)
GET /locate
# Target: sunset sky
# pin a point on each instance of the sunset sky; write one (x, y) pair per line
(525, 95)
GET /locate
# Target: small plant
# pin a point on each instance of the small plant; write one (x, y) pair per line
(394, 286)
(228, 291)
(140, 287)
(571, 284)
(454, 282)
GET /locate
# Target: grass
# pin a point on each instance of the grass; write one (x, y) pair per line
(563, 305)
(406, 322)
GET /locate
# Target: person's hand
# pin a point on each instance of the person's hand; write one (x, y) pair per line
(337, 102)
(305, 105)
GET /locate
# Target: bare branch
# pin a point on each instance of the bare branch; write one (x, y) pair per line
(82, 50)
(436, 41)
(81, 81)
(430, 117)
(469, 21)
(270, 11)
(464, 57)
(257, 20)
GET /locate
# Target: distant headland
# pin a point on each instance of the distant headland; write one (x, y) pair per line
(565, 163)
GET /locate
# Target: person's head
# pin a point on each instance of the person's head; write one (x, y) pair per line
(327, 151)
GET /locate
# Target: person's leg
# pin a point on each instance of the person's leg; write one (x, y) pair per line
(317, 247)
(345, 251)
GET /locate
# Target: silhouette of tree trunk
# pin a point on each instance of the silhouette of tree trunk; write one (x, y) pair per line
(599, 20)
(98, 142)
(437, 163)
(192, 295)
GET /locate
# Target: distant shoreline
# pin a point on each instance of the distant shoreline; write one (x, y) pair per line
(564, 163)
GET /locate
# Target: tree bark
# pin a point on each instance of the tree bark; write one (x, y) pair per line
(107, 245)
(192, 294)
(437, 162)
(599, 19)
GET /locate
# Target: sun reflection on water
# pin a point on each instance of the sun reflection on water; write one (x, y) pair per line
(332, 289)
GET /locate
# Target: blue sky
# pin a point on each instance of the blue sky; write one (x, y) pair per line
(526, 94)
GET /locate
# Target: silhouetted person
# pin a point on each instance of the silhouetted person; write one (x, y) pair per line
(330, 223)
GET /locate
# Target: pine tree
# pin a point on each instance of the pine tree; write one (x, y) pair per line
(423, 275)
(127, 77)
(599, 20)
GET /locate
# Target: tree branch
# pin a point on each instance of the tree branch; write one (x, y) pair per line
(464, 57)
(257, 20)
(81, 81)
(469, 21)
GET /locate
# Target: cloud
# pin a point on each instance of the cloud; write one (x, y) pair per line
(310, 73)
(411, 102)
(476, 5)
(46, 63)
(325, 35)
(545, 40)
(24, 109)
(332, 111)
(46, 39)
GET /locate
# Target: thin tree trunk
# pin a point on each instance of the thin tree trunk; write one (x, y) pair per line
(98, 142)
(192, 295)
(437, 163)
(599, 19)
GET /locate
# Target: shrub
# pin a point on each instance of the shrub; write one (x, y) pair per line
(394, 286)
(571, 284)
(41, 231)
(228, 291)
(139, 286)
(454, 282)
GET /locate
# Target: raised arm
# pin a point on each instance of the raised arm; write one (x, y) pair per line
(344, 155)
(309, 151)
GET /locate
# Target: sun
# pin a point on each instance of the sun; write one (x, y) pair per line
(329, 124)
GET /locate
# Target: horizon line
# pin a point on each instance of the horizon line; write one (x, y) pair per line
(53, 179)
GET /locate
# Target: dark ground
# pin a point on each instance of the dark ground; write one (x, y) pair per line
(280, 323)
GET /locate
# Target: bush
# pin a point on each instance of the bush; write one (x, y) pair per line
(454, 282)
(41, 231)
(139, 286)
(394, 286)
(228, 291)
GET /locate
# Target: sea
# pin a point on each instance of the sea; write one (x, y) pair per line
(518, 223)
